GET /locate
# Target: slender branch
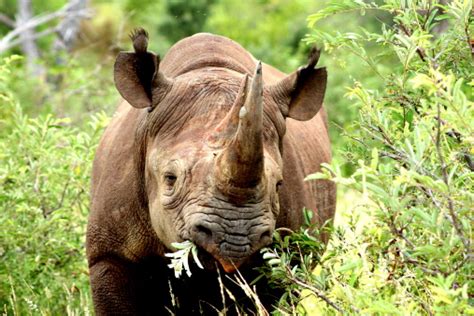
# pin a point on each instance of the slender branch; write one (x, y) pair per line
(284, 229)
(423, 268)
(426, 14)
(17, 41)
(250, 292)
(316, 292)
(63, 194)
(470, 42)
(421, 53)
(5, 19)
(398, 232)
(37, 21)
(45, 210)
(444, 173)
(426, 307)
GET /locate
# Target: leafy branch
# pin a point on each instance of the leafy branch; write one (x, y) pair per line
(180, 258)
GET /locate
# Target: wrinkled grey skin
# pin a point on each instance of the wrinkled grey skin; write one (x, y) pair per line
(212, 147)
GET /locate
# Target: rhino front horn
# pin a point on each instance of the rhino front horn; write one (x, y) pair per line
(240, 164)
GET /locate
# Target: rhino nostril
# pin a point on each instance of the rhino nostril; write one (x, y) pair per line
(266, 237)
(203, 230)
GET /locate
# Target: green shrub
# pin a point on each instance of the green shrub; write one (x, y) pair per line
(44, 200)
(402, 242)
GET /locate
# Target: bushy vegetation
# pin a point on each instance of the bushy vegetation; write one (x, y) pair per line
(401, 105)
(405, 247)
(45, 164)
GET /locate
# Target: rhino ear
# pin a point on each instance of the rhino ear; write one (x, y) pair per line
(133, 75)
(136, 73)
(300, 95)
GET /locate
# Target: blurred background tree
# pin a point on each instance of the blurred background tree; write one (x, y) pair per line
(184, 18)
(270, 29)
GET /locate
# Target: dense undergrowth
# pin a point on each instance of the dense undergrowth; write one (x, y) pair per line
(400, 92)
(403, 244)
(45, 163)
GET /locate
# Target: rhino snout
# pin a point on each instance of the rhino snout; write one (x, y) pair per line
(229, 244)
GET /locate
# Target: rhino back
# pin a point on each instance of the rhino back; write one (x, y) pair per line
(206, 50)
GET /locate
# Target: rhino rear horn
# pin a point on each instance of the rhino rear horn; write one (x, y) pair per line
(226, 129)
(300, 95)
(136, 74)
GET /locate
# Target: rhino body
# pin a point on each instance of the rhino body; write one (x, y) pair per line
(205, 148)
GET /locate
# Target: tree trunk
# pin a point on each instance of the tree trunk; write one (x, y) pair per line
(70, 26)
(28, 43)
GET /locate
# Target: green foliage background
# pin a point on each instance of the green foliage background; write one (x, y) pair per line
(401, 108)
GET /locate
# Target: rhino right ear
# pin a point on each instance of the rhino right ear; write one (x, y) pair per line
(300, 95)
(137, 74)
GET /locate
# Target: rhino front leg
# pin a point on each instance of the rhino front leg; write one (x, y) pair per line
(120, 287)
(114, 288)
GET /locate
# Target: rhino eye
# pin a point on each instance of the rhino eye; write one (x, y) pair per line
(170, 179)
(279, 184)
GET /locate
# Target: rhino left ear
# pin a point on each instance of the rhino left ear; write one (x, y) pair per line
(300, 95)
(136, 74)
(133, 76)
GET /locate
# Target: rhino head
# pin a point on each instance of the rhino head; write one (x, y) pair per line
(209, 148)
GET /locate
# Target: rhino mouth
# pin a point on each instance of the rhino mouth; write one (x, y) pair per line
(226, 262)
(230, 249)
(227, 256)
